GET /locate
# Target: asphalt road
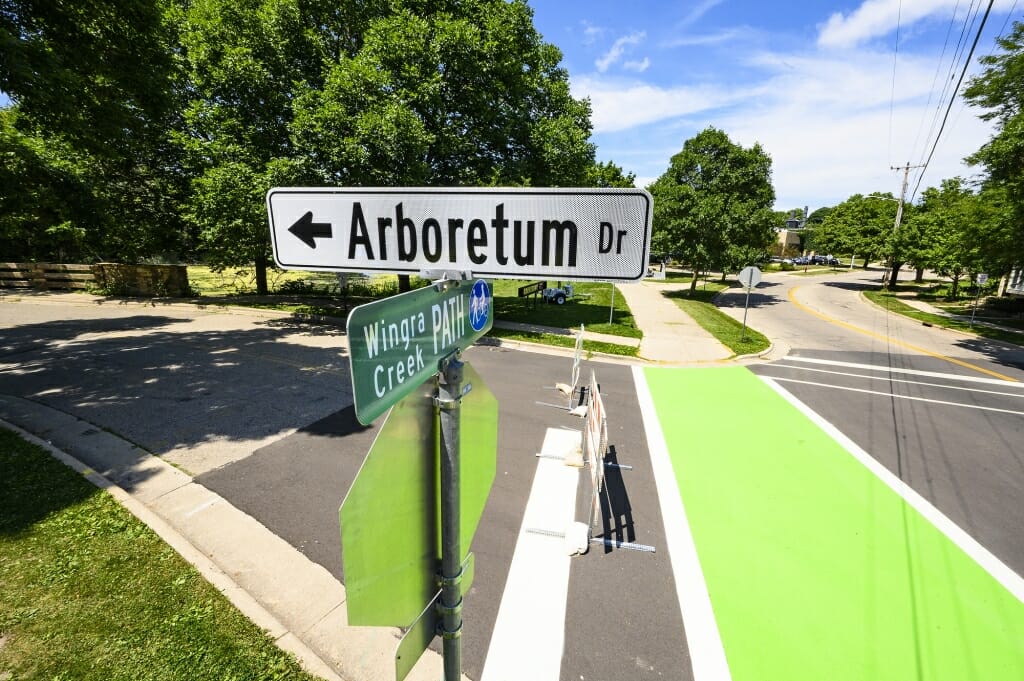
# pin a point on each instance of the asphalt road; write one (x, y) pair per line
(260, 410)
(929, 404)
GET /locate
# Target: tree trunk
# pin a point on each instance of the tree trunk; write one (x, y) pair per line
(955, 288)
(261, 275)
(919, 276)
(404, 283)
(693, 283)
(894, 275)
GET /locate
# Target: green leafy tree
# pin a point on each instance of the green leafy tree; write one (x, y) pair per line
(818, 216)
(861, 225)
(245, 60)
(946, 216)
(607, 174)
(369, 94)
(93, 83)
(966, 232)
(999, 91)
(715, 196)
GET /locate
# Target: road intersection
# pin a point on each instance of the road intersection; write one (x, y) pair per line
(784, 498)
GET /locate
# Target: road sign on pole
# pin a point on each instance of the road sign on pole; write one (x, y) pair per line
(397, 524)
(395, 343)
(501, 233)
(749, 277)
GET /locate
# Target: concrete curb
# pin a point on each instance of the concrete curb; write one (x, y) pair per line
(238, 597)
(296, 601)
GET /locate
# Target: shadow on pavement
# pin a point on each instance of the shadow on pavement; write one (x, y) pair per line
(164, 389)
(616, 511)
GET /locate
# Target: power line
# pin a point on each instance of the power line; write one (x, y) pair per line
(892, 91)
(961, 44)
(931, 90)
(952, 98)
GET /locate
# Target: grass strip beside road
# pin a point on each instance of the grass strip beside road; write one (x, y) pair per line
(89, 592)
(890, 302)
(727, 330)
(817, 569)
(591, 305)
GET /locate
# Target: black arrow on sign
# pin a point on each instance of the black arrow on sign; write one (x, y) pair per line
(307, 230)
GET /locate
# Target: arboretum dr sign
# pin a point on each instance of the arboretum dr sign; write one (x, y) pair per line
(503, 233)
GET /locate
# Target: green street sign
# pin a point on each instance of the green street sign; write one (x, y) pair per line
(395, 344)
(390, 518)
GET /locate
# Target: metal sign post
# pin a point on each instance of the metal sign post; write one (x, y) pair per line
(749, 277)
(408, 567)
(447, 403)
(980, 280)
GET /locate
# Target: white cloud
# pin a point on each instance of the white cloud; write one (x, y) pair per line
(591, 32)
(637, 66)
(876, 18)
(620, 106)
(618, 49)
(830, 124)
(722, 36)
(699, 11)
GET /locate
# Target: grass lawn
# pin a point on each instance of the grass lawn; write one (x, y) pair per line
(720, 325)
(89, 592)
(590, 306)
(889, 301)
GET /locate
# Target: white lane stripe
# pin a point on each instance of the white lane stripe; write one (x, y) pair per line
(914, 372)
(534, 602)
(995, 567)
(890, 379)
(901, 397)
(707, 655)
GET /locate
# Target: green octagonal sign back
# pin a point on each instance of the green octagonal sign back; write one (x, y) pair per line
(390, 519)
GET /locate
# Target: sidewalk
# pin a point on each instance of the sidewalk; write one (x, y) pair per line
(910, 299)
(296, 601)
(670, 335)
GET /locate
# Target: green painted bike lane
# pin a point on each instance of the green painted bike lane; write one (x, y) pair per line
(815, 568)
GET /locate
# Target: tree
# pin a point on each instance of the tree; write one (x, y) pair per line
(715, 195)
(966, 232)
(607, 174)
(369, 94)
(999, 91)
(93, 85)
(861, 226)
(818, 216)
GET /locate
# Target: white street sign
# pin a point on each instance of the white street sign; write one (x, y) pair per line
(502, 233)
(750, 276)
(982, 278)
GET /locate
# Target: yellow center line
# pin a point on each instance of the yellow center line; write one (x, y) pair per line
(889, 339)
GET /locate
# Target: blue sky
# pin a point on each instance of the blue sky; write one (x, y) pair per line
(812, 82)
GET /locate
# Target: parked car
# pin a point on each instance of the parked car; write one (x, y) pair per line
(801, 260)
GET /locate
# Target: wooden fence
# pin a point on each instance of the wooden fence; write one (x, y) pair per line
(112, 278)
(43, 276)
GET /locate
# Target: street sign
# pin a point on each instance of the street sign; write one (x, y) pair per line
(750, 276)
(390, 529)
(982, 278)
(395, 343)
(501, 233)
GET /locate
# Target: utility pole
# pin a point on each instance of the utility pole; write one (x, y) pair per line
(890, 281)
